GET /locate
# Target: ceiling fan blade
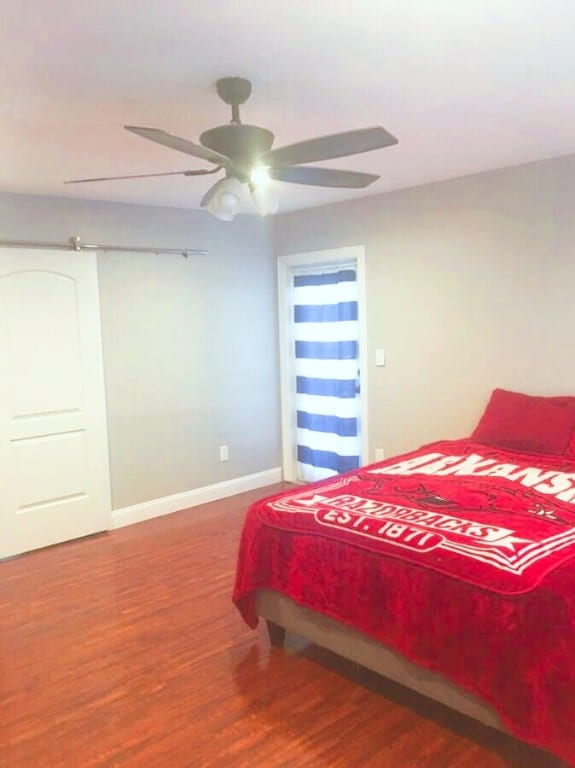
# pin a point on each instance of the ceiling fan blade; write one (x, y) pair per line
(145, 176)
(323, 177)
(328, 147)
(182, 145)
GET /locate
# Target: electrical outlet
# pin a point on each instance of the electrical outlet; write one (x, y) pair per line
(224, 453)
(379, 454)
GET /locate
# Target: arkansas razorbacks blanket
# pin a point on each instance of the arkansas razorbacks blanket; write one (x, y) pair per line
(459, 555)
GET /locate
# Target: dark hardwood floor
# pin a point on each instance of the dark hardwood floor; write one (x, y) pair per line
(124, 650)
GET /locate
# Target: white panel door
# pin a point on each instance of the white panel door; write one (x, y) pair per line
(54, 475)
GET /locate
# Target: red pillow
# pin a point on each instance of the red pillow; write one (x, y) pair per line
(527, 423)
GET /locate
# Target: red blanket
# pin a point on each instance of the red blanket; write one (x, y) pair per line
(458, 555)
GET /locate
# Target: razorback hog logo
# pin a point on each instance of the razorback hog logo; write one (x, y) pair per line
(462, 496)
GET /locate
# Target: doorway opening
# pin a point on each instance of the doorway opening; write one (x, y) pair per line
(322, 348)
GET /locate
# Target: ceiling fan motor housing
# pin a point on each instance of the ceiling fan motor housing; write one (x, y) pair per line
(242, 143)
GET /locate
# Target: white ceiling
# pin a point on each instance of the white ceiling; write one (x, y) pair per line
(465, 85)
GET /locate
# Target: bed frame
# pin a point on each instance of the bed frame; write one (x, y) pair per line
(293, 626)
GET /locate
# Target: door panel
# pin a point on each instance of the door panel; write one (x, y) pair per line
(41, 306)
(54, 479)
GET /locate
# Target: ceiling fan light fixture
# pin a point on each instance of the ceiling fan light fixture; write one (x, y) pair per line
(265, 199)
(225, 199)
(260, 175)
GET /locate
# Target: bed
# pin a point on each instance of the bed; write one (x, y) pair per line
(450, 569)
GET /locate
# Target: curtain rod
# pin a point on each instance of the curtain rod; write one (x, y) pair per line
(75, 244)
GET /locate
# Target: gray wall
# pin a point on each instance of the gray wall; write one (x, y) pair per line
(469, 287)
(190, 347)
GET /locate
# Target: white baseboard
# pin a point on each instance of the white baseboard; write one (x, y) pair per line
(168, 504)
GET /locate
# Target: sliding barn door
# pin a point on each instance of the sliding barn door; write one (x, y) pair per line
(54, 480)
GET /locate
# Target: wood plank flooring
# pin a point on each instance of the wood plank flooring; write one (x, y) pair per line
(124, 650)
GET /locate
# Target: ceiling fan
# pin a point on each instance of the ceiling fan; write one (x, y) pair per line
(245, 154)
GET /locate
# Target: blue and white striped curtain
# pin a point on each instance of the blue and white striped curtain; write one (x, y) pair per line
(326, 334)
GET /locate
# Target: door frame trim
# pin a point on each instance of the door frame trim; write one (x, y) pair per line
(287, 265)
